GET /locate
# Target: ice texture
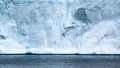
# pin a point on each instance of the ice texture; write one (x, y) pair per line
(60, 26)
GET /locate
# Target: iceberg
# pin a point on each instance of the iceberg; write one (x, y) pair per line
(60, 26)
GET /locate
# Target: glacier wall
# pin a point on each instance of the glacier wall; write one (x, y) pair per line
(60, 26)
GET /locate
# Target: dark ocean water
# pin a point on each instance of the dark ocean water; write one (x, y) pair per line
(59, 61)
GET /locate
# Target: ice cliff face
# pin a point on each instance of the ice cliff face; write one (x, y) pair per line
(60, 26)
